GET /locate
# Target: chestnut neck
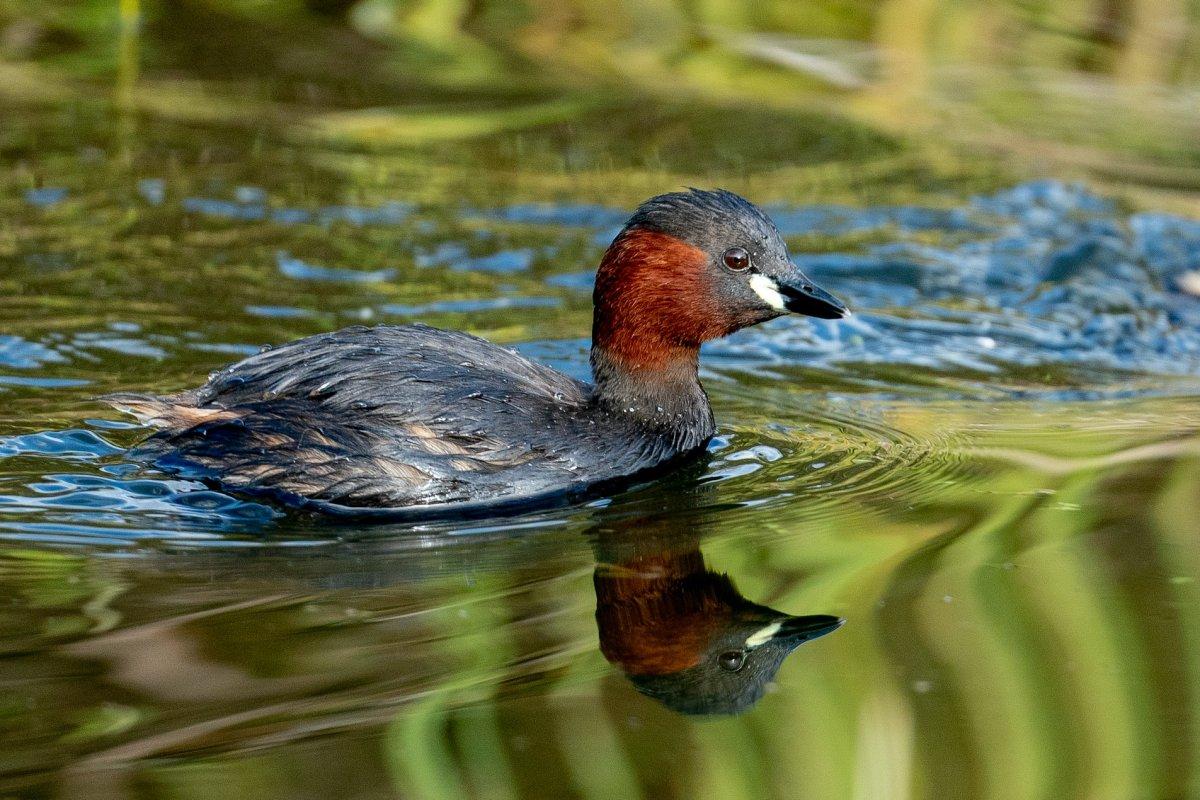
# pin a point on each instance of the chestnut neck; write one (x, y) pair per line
(657, 614)
(652, 312)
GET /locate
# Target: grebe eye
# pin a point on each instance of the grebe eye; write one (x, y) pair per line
(732, 660)
(737, 259)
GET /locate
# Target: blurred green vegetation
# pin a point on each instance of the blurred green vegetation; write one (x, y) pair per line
(792, 96)
(1022, 623)
(1020, 581)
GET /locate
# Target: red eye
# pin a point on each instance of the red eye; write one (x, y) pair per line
(732, 661)
(737, 259)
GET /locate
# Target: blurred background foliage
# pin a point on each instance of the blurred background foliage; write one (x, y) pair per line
(1020, 576)
(847, 94)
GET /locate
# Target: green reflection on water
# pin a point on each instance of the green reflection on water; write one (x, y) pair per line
(1019, 583)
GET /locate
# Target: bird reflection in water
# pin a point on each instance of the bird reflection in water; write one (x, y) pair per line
(681, 632)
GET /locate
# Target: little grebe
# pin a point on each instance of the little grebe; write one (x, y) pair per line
(435, 422)
(680, 631)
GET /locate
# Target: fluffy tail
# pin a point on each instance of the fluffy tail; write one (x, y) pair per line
(173, 411)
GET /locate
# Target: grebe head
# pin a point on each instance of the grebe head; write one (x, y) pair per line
(684, 635)
(689, 267)
(734, 666)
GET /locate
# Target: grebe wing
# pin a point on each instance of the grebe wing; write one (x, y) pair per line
(362, 366)
(389, 416)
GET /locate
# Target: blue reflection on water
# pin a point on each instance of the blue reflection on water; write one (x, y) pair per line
(46, 196)
(303, 271)
(1043, 273)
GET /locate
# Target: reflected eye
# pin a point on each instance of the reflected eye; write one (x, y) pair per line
(737, 259)
(732, 661)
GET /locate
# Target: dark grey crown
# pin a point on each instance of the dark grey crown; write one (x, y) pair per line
(704, 218)
(706, 689)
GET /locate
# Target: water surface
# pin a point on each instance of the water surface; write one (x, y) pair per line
(991, 471)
